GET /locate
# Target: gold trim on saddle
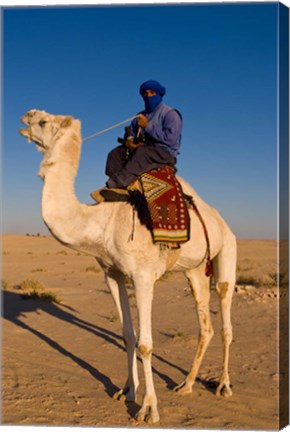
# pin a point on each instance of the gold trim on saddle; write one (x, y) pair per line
(110, 195)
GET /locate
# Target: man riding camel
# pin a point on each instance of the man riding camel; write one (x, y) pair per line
(150, 142)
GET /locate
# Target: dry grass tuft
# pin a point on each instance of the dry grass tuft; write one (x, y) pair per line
(93, 269)
(33, 289)
(165, 276)
(5, 285)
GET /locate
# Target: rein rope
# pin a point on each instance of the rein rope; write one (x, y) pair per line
(109, 128)
(95, 134)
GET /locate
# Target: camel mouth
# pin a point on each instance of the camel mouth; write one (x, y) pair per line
(23, 132)
(28, 134)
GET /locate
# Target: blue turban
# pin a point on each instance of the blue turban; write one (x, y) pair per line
(152, 85)
(151, 102)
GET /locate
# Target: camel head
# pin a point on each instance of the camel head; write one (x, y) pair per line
(57, 137)
(45, 129)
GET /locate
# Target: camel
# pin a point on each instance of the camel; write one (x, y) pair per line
(104, 231)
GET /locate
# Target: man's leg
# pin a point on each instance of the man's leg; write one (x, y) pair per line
(145, 158)
(116, 160)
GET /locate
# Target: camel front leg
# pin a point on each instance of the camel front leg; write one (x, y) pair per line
(116, 283)
(199, 284)
(144, 295)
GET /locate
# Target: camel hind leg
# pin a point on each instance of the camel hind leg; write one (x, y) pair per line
(224, 266)
(200, 286)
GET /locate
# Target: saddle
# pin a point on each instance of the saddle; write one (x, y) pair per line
(159, 201)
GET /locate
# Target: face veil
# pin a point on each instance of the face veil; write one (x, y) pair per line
(151, 102)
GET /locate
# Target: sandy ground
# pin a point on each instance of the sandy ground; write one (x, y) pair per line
(62, 362)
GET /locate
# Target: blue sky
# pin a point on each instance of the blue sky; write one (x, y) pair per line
(218, 63)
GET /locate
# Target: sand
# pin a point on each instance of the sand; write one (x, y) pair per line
(62, 362)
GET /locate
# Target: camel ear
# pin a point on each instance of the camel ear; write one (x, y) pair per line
(66, 122)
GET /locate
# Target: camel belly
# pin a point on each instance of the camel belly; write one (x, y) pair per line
(191, 255)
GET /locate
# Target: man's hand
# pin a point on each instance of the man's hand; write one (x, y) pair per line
(131, 144)
(142, 121)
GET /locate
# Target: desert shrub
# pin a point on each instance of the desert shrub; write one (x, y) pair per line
(165, 276)
(93, 269)
(113, 318)
(4, 284)
(277, 279)
(128, 282)
(30, 285)
(249, 280)
(33, 289)
(180, 334)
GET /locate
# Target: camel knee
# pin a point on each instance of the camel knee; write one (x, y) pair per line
(145, 350)
(210, 332)
(204, 339)
(227, 336)
(206, 328)
(222, 289)
(207, 334)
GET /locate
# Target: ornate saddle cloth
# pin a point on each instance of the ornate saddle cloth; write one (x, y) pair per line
(168, 210)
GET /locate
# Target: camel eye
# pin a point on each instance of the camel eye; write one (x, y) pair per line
(42, 123)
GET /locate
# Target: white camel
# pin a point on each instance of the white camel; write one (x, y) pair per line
(104, 231)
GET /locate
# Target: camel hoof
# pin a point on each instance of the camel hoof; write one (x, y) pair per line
(224, 391)
(149, 418)
(183, 388)
(119, 395)
(139, 417)
(123, 395)
(152, 419)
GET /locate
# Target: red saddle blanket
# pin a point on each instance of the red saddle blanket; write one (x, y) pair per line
(166, 204)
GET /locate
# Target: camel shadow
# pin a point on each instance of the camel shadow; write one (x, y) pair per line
(15, 307)
(210, 384)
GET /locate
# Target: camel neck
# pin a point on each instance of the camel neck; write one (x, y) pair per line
(60, 208)
(68, 220)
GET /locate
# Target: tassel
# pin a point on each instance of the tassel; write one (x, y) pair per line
(138, 200)
(208, 267)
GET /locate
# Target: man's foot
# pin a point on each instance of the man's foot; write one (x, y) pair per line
(110, 195)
